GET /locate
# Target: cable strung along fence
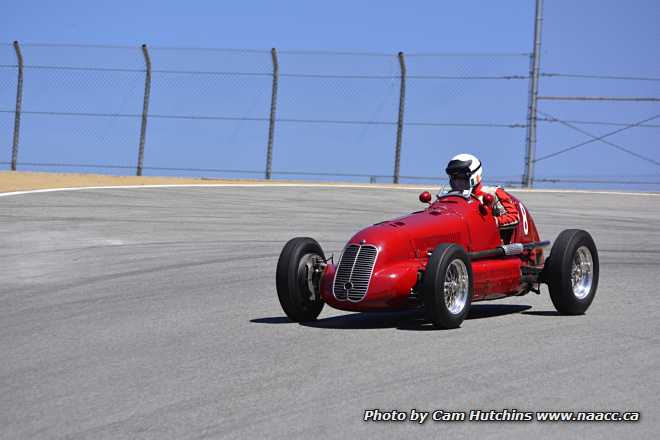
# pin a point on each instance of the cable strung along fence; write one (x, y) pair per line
(323, 114)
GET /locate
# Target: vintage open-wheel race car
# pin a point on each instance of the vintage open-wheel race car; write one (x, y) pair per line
(442, 258)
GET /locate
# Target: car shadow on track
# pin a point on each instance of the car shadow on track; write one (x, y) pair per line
(407, 320)
(543, 313)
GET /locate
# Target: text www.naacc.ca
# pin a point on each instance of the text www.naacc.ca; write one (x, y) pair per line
(500, 415)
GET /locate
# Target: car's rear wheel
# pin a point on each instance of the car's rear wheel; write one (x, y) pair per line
(447, 286)
(571, 272)
(297, 283)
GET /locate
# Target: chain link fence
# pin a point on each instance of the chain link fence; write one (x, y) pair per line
(214, 113)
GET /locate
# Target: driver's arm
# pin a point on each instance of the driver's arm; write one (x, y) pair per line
(506, 213)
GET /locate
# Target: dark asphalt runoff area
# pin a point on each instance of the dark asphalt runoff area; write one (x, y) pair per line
(152, 313)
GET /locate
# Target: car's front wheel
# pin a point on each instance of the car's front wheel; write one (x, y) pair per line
(297, 280)
(447, 286)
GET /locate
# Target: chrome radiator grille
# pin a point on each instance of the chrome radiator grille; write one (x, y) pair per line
(354, 272)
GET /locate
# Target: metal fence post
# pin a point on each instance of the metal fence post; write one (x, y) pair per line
(19, 103)
(528, 176)
(273, 109)
(399, 127)
(145, 108)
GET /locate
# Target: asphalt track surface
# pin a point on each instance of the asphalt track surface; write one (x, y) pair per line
(152, 313)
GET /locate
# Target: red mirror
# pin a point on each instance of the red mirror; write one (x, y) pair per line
(488, 199)
(425, 197)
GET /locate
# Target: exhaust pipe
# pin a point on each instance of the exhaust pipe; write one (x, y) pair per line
(507, 250)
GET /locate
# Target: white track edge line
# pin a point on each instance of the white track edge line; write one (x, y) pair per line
(308, 185)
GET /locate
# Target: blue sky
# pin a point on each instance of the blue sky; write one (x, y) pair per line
(586, 37)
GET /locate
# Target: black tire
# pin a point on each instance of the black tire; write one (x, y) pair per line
(558, 272)
(292, 287)
(433, 286)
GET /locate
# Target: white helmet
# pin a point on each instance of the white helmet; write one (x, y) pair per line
(464, 172)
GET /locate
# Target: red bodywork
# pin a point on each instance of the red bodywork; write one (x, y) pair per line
(404, 245)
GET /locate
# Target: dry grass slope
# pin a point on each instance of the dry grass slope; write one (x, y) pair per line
(23, 181)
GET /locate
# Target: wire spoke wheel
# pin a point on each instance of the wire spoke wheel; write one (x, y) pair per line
(571, 272)
(447, 286)
(456, 286)
(582, 272)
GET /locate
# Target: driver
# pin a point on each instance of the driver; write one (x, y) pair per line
(465, 172)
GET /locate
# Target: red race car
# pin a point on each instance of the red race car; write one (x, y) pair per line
(442, 258)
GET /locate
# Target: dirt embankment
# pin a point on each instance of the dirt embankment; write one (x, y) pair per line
(22, 181)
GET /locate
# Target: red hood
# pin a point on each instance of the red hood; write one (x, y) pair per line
(421, 231)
